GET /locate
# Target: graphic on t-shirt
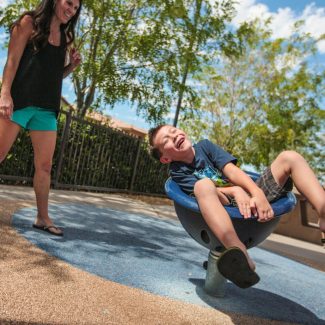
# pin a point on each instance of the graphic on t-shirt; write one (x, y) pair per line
(214, 175)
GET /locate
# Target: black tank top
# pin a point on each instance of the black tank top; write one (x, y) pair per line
(38, 81)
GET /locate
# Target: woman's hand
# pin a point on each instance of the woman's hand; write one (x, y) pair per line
(74, 58)
(6, 106)
(74, 61)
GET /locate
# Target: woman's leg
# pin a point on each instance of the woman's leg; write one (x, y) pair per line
(8, 135)
(290, 163)
(44, 146)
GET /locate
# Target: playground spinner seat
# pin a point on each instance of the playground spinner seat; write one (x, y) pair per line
(250, 231)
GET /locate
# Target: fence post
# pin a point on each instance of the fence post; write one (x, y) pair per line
(65, 137)
(135, 165)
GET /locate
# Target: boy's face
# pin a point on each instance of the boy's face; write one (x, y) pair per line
(173, 144)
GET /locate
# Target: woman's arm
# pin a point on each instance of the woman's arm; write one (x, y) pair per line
(18, 40)
(74, 61)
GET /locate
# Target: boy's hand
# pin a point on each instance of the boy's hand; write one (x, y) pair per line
(261, 208)
(243, 201)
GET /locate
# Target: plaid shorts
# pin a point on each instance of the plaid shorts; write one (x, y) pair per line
(271, 188)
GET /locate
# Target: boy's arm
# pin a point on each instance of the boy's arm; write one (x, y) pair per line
(258, 202)
(241, 197)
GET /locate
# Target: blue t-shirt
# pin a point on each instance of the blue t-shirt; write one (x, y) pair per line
(208, 162)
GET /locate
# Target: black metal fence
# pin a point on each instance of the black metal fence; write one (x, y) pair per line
(90, 156)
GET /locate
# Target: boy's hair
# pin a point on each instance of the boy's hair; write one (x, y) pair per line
(154, 151)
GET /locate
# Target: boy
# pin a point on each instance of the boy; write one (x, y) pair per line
(200, 168)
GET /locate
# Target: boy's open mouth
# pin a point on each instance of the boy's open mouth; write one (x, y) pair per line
(180, 142)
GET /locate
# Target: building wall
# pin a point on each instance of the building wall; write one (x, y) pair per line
(294, 224)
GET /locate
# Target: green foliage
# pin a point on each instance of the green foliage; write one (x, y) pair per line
(265, 100)
(142, 52)
(94, 156)
(12, 12)
(124, 57)
(198, 32)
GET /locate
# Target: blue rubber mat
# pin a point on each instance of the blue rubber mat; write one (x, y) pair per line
(158, 256)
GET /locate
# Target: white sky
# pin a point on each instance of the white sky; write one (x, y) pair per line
(3, 3)
(284, 18)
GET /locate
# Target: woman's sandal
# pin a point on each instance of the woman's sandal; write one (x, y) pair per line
(48, 229)
(233, 265)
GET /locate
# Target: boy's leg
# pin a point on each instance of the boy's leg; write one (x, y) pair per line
(290, 163)
(217, 217)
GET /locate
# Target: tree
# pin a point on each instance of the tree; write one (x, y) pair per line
(141, 51)
(123, 46)
(199, 31)
(124, 54)
(266, 100)
(147, 51)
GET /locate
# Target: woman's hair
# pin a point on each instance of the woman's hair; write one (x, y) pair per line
(42, 17)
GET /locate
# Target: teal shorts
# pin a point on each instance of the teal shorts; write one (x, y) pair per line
(35, 119)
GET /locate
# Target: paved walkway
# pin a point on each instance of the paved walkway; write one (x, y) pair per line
(125, 261)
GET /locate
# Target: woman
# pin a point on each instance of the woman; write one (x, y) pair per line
(31, 88)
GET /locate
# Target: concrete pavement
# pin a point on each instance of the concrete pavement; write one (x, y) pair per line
(123, 261)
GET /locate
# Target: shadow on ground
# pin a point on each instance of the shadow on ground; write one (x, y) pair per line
(15, 322)
(23, 256)
(158, 256)
(272, 306)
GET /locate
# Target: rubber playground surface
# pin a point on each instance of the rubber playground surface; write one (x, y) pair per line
(124, 261)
